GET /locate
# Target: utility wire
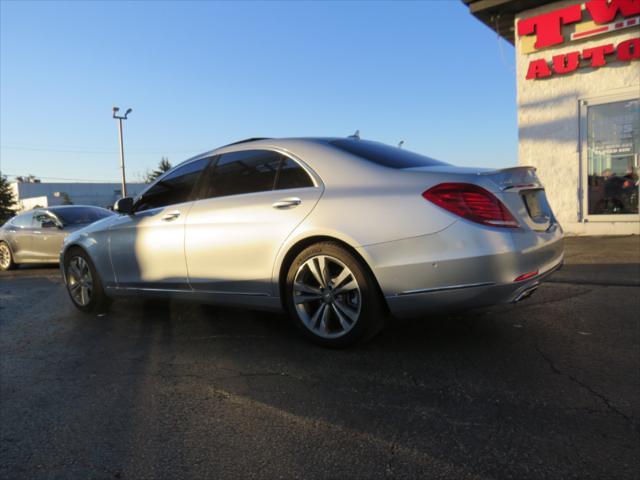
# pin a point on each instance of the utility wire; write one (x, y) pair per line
(68, 179)
(94, 152)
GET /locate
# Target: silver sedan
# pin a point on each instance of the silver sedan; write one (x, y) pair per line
(340, 233)
(36, 236)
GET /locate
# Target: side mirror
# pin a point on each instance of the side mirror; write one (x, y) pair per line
(124, 206)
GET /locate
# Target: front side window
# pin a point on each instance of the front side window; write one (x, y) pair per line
(23, 221)
(175, 187)
(613, 152)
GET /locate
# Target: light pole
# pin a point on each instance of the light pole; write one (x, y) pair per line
(120, 118)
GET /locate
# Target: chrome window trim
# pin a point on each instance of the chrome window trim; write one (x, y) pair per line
(315, 178)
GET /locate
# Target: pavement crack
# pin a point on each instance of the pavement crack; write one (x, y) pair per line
(588, 388)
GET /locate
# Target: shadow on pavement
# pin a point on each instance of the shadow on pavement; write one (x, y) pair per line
(166, 389)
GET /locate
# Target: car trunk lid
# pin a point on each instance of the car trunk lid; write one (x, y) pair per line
(517, 187)
(522, 192)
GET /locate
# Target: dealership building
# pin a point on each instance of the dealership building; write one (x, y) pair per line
(578, 95)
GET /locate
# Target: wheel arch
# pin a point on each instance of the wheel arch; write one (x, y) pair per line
(301, 244)
(7, 243)
(85, 244)
(63, 256)
(72, 246)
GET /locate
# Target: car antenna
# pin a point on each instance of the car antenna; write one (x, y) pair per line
(400, 143)
(356, 135)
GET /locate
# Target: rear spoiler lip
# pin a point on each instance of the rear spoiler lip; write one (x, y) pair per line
(505, 170)
(523, 186)
(532, 183)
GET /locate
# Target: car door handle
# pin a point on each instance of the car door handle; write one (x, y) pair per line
(287, 203)
(167, 217)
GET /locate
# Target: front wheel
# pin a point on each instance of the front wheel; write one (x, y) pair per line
(6, 259)
(83, 283)
(332, 298)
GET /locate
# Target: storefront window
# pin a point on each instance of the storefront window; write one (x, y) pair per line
(613, 153)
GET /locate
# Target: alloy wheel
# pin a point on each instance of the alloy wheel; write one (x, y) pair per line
(79, 280)
(5, 256)
(327, 296)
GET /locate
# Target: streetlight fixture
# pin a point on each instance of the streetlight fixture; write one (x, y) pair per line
(120, 118)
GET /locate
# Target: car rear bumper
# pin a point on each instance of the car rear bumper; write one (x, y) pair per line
(463, 267)
(463, 297)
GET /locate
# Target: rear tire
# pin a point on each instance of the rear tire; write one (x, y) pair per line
(83, 283)
(332, 297)
(6, 258)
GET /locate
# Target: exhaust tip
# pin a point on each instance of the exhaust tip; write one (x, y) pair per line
(526, 293)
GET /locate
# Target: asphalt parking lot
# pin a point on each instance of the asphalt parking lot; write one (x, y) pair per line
(548, 388)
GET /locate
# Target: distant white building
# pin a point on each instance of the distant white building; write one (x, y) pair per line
(30, 195)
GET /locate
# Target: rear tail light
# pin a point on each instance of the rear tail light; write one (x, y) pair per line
(472, 203)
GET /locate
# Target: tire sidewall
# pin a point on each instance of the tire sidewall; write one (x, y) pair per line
(98, 299)
(11, 262)
(370, 318)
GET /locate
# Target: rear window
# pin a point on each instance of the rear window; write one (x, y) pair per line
(80, 215)
(385, 155)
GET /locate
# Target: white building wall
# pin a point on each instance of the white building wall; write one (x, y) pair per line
(98, 194)
(34, 202)
(549, 121)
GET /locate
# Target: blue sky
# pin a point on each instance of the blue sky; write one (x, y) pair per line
(202, 74)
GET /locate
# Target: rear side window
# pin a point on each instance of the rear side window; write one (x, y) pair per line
(385, 155)
(175, 187)
(248, 171)
(292, 175)
(23, 221)
(252, 171)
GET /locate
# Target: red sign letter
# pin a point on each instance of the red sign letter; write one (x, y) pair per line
(597, 54)
(548, 26)
(566, 63)
(629, 50)
(538, 69)
(603, 11)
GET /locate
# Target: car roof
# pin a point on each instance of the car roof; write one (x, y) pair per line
(61, 208)
(284, 140)
(267, 142)
(64, 207)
